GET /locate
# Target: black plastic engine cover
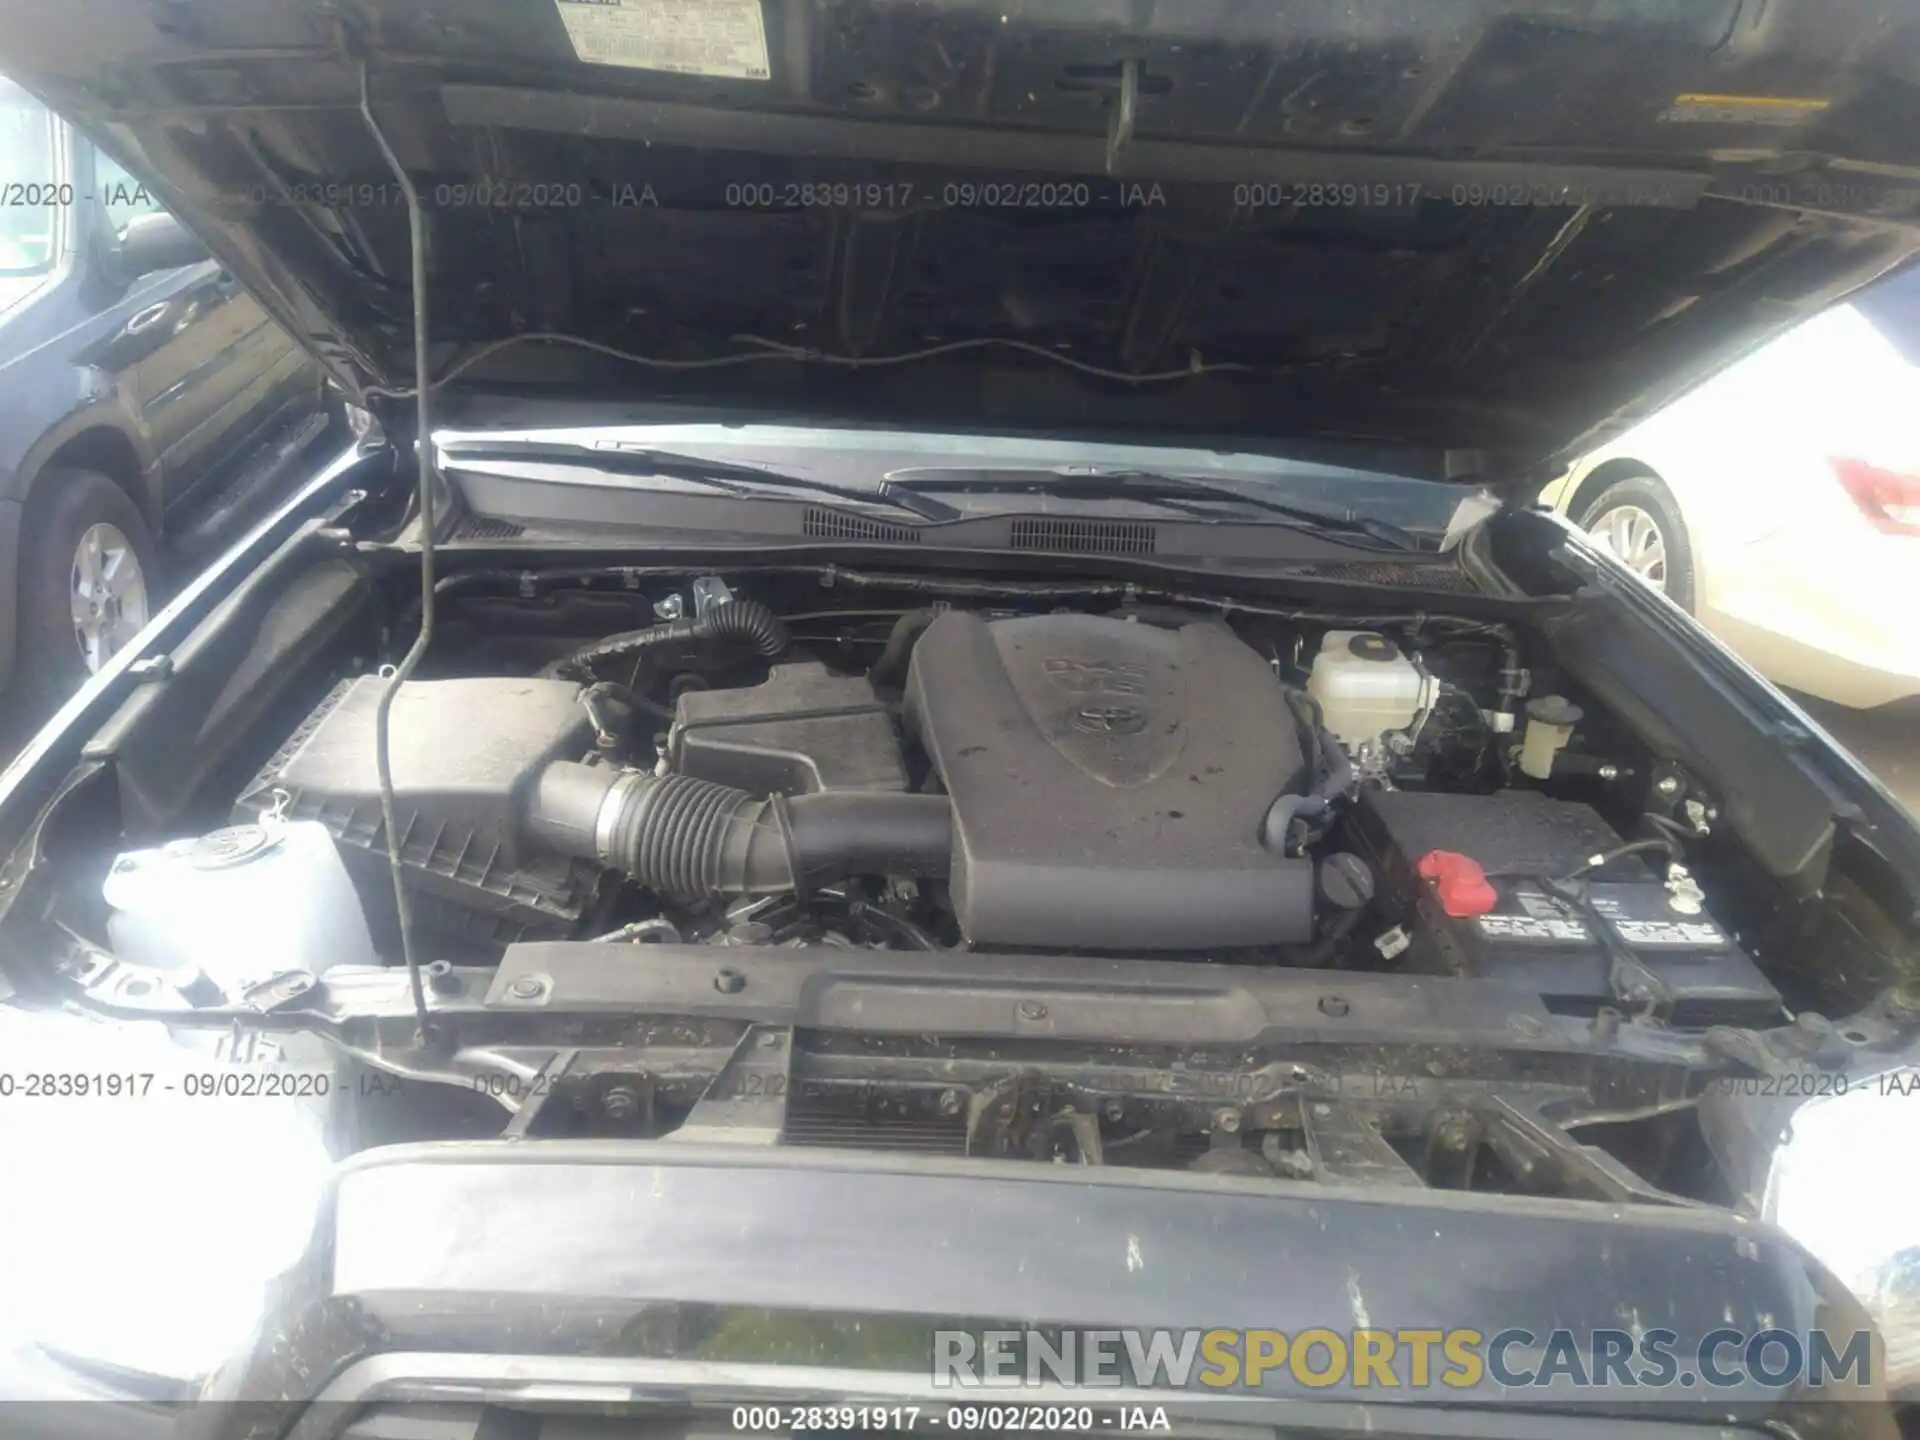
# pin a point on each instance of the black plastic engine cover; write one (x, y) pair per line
(1108, 782)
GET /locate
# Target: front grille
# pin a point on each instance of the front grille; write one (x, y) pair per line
(840, 1130)
(1084, 537)
(832, 525)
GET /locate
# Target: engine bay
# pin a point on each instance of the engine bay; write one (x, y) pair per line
(1025, 866)
(1135, 783)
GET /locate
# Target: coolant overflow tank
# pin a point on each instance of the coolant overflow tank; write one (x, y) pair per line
(238, 905)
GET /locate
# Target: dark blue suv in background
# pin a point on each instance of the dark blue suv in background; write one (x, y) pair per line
(146, 404)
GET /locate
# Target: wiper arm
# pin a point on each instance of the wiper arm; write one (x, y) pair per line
(670, 465)
(1190, 495)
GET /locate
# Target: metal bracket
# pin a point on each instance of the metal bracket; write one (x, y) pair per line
(1541, 1153)
(710, 592)
(1347, 1147)
(746, 1103)
(539, 1091)
(277, 992)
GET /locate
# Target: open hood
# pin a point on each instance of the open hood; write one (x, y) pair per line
(1502, 227)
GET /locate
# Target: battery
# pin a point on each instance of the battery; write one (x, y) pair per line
(1534, 938)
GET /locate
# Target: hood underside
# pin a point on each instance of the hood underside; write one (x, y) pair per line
(1505, 226)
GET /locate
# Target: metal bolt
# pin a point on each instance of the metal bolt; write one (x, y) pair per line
(440, 977)
(1609, 772)
(1667, 786)
(1334, 1005)
(671, 608)
(1115, 1112)
(527, 987)
(1227, 1120)
(1032, 1010)
(769, 1040)
(1452, 1135)
(950, 1102)
(729, 981)
(621, 1103)
(1810, 1031)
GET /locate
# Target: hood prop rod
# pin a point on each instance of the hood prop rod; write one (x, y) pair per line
(424, 484)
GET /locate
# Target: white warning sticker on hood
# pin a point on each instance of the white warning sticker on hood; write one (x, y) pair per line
(689, 37)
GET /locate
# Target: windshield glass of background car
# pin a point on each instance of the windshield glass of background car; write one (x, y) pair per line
(31, 201)
(122, 198)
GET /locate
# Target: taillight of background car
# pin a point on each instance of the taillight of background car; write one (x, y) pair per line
(1889, 498)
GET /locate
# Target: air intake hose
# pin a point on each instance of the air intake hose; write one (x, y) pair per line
(746, 621)
(688, 839)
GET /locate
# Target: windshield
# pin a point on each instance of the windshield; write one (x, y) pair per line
(33, 195)
(866, 460)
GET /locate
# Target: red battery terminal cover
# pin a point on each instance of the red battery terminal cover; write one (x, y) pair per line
(1459, 883)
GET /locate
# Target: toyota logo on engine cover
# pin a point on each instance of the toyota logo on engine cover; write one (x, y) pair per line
(1110, 720)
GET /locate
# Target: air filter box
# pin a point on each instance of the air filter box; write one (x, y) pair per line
(464, 753)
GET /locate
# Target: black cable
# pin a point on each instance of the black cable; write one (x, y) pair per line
(1620, 852)
(1667, 825)
(1628, 980)
(1316, 953)
(902, 928)
(423, 450)
(766, 350)
(747, 622)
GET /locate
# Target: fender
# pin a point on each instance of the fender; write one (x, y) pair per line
(104, 409)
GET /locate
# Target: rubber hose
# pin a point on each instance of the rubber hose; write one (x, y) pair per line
(688, 839)
(890, 669)
(1337, 781)
(738, 620)
(1316, 953)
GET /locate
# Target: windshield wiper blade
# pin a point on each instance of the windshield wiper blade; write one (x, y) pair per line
(721, 475)
(1192, 495)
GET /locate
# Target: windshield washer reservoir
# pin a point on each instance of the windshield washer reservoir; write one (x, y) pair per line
(238, 905)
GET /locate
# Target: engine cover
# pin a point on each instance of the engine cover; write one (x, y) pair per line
(1108, 782)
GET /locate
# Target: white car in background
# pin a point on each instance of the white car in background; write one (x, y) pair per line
(1780, 501)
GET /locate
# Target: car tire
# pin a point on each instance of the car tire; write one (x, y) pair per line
(119, 574)
(1639, 521)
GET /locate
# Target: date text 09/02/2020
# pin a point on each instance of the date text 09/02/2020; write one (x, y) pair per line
(963, 1419)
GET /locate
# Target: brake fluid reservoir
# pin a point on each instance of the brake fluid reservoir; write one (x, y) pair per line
(1365, 685)
(238, 905)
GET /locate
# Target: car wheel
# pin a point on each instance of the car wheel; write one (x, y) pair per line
(89, 578)
(1639, 522)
